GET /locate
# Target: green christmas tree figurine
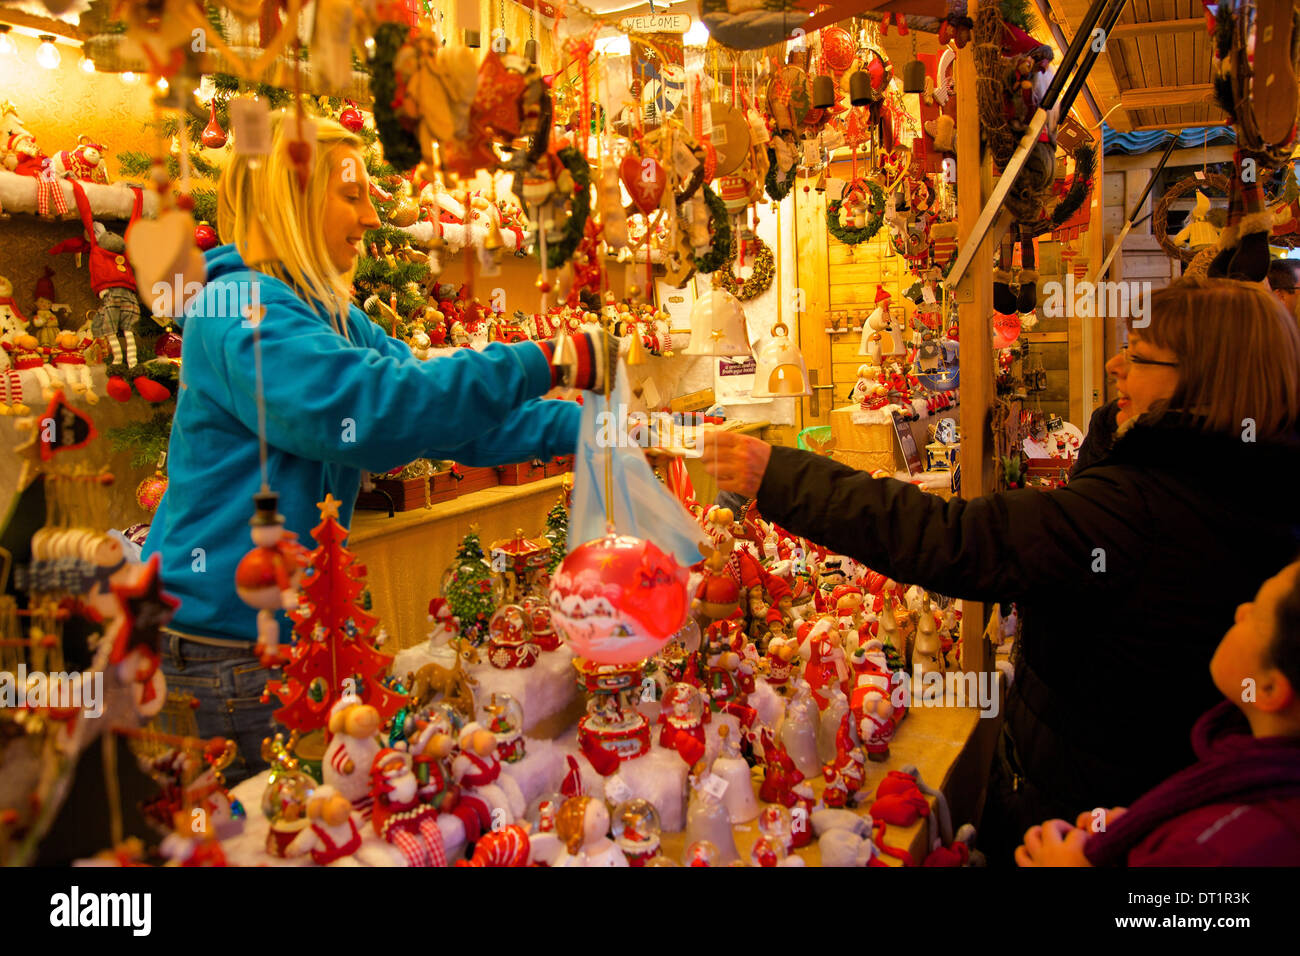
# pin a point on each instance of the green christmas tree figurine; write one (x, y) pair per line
(468, 588)
(557, 532)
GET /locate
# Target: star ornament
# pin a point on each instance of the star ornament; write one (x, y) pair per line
(329, 508)
(146, 609)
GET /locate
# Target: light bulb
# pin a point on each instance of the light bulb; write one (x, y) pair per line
(162, 84)
(129, 78)
(87, 65)
(6, 43)
(47, 54)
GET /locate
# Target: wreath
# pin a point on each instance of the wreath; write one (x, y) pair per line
(759, 281)
(777, 189)
(720, 252)
(561, 251)
(850, 236)
(401, 146)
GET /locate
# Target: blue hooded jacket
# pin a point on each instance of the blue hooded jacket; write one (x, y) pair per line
(333, 408)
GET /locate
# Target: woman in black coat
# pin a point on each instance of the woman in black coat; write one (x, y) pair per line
(1124, 579)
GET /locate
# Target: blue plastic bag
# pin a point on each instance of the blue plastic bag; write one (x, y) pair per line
(643, 506)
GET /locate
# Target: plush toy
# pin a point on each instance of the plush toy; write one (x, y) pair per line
(477, 769)
(353, 742)
(85, 162)
(26, 354)
(69, 352)
(332, 832)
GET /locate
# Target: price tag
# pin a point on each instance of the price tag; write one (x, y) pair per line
(706, 117)
(250, 122)
(713, 785)
(927, 294)
(617, 790)
(812, 153)
(684, 161)
(834, 189)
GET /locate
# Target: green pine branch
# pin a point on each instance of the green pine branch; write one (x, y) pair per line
(147, 440)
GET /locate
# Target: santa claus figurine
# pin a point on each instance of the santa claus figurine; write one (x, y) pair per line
(682, 715)
(267, 577)
(353, 743)
(780, 774)
(876, 724)
(826, 667)
(781, 652)
(846, 774)
(397, 814)
(494, 796)
(332, 832)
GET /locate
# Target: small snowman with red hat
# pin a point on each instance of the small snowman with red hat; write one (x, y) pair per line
(444, 623)
(267, 577)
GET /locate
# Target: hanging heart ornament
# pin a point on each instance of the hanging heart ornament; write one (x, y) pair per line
(645, 180)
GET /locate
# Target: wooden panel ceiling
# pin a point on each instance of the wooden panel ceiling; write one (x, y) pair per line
(1155, 71)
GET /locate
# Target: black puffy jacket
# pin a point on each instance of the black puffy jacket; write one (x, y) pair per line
(1186, 524)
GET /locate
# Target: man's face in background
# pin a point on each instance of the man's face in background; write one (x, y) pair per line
(1283, 281)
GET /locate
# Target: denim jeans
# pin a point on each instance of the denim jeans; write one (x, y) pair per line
(228, 683)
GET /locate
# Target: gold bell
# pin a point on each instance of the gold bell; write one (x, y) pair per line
(636, 353)
(493, 242)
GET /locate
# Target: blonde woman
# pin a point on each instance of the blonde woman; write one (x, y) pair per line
(1124, 579)
(340, 396)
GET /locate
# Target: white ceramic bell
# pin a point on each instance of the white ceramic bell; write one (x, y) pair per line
(780, 371)
(718, 325)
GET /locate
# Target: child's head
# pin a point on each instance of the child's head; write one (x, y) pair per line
(1263, 647)
(314, 232)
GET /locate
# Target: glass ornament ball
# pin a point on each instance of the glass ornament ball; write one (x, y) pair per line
(618, 599)
(501, 714)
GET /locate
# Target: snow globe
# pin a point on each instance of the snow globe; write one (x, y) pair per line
(774, 825)
(636, 830)
(509, 644)
(504, 716)
(702, 853)
(767, 851)
(284, 801)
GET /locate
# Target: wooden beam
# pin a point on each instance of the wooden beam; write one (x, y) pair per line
(975, 355)
(1061, 44)
(1156, 97)
(1131, 31)
(1192, 156)
(1219, 120)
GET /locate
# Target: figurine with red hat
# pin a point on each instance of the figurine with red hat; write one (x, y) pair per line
(876, 725)
(267, 577)
(683, 714)
(847, 773)
(445, 624)
(826, 667)
(398, 815)
(780, 775)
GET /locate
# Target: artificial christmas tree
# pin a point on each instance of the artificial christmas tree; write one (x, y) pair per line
(557, 533)
(333, 654)
(468, 588)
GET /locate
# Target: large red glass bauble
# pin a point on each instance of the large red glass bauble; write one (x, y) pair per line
(618, 599)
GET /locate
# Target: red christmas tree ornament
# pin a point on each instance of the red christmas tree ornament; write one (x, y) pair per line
(213, 136)
(148, 494)
(618, 599)
(333, 653)
(205, 237)
(351, 119)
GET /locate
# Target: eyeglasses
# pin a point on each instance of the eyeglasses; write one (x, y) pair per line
(1139, 360)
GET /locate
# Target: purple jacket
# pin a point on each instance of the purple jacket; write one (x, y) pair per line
(1238, 805)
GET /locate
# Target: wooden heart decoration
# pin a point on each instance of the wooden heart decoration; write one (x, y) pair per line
(162, 250)
(645, 180)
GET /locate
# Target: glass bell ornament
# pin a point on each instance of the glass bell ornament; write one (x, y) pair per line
(781, 370)
(618, 599)
(718, 326)
(636, 829)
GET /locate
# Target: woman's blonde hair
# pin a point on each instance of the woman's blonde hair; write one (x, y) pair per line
(1238, 354)
(267, 195)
